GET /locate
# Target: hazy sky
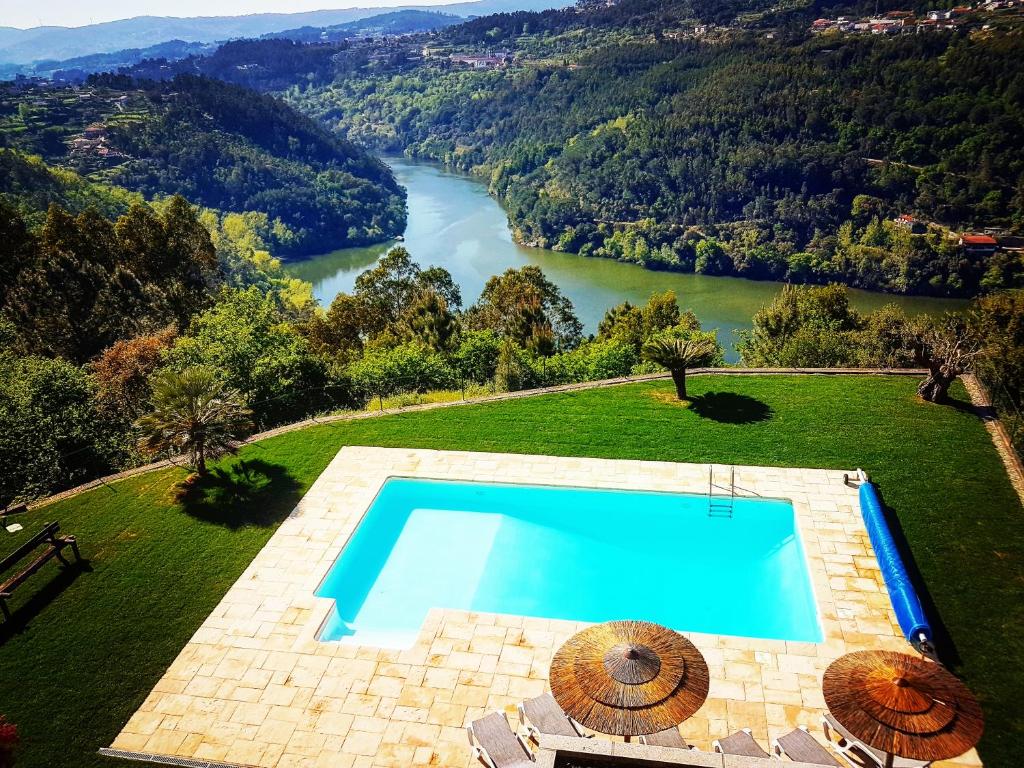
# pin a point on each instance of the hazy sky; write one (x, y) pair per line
(75, 13)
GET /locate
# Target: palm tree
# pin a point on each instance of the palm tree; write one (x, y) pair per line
(193, 414)
(679, 354)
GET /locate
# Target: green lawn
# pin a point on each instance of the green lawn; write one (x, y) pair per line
(87, 649)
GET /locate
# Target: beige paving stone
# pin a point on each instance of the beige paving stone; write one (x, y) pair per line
(255, 687)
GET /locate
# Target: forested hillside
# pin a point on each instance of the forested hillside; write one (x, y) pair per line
(789, 159)
(218, 145)
(685, 135)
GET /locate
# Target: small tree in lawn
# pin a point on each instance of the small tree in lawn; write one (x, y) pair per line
(193, 414)
(678, 354)
(947, 348)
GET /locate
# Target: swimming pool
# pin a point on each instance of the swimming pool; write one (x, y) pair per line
(568, 553)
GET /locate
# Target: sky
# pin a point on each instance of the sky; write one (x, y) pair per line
(76, 13)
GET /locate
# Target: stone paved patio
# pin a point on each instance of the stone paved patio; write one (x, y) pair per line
(255, 687)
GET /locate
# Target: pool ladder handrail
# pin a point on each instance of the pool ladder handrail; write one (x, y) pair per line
(721, 505)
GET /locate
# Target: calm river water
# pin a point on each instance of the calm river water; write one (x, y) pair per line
(455, 224)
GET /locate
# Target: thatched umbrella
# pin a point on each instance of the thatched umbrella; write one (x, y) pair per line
(902, 705)
(629, 678)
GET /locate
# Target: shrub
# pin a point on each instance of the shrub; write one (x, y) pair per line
(411, 367)
(51, 436)
(476, 357)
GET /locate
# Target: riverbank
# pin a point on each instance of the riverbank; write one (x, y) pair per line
(454, 223)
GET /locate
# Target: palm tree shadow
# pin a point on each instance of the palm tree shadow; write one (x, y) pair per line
(244, 493)
(730, 408)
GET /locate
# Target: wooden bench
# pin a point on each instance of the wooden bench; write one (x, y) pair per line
(14, 509)
(53, 542)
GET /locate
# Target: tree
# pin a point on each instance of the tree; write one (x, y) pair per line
(429, 321)
(476, 357)
(884, 340)
(660, 313)
(341, 330)
(247, 338)
(17, 247)
(999, 321)
(635, 325)
(712, 259)
(804, 326)
(123, 371)
(389, 288)
(86, 283)
(512, 372)
(193, 414)
(51, 434)
(679, 354)
(521, 301)
(948, 348)
(623, 322)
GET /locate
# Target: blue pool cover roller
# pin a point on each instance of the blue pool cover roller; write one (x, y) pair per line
(901, 591)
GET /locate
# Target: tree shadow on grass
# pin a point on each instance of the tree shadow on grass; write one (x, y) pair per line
(945, 649)
(249, 492)
(730, 408)
(983, 412)
(21, 617)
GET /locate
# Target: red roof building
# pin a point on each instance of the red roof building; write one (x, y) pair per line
(979, 245)
(977, 240)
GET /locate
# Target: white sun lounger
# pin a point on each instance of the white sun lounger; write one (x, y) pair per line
(543, 715)
(849, 746)
(496, 745)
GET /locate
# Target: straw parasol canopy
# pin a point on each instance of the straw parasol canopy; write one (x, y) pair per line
(902, 705)
(629, 678)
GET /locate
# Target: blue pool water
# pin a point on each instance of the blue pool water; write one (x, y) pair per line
(569, 553)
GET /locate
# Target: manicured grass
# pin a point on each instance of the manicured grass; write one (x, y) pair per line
(90, 648)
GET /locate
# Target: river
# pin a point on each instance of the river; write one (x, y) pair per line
(455, 224)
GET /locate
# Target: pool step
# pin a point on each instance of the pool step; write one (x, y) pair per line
(721, 498)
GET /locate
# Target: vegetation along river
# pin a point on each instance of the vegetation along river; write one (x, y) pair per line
(455, 224)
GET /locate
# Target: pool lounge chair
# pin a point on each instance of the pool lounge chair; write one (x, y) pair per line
(857, 751)
(670, 737)
(543, 715)
(496, 745)
(739, 743)
(800, 747)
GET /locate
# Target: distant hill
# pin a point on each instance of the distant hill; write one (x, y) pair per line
(24, 46)
(396, 23)
(76, 69)
(80, 66)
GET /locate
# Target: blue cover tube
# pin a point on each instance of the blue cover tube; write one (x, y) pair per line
(901, 591)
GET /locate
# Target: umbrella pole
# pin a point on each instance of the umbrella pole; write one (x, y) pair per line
(889, 758)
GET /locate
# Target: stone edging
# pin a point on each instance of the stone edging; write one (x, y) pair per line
(1004, 445)
(501, 396)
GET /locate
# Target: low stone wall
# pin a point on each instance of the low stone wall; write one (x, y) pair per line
(498, 397)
